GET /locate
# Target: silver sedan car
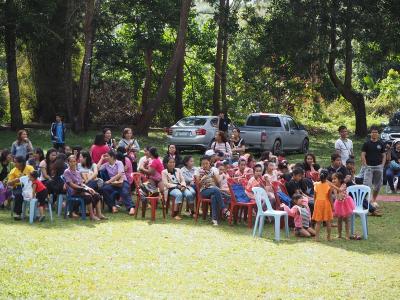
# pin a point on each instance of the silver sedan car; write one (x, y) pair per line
(195, 132)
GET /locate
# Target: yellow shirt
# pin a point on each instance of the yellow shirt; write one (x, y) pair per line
(16, 173)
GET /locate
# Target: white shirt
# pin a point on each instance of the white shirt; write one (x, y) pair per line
(344, 148)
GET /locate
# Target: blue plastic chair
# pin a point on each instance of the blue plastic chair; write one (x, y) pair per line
(60, 200)
(359, 193)
(33, 209)
(260, 195)
(70, 200)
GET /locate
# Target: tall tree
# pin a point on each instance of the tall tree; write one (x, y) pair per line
(10, 47)
(86, 70)
(179, 87)
(170, 73)
(218, 58)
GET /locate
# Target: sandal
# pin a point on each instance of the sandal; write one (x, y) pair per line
(355, 237)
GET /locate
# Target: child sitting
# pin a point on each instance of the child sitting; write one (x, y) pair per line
(224, 176)
(258, 181)
(243, 169)
(301, 214)
(39, 191)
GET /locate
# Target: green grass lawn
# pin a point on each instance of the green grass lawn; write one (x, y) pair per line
(126, 258)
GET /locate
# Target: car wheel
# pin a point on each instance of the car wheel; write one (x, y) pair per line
(304, 146)
(277, 147)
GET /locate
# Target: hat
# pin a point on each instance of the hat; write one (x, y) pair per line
(396, 141)
(210, 152)
(350, 161)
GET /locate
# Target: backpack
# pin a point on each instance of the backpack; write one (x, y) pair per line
(284, 198)
(240, 193)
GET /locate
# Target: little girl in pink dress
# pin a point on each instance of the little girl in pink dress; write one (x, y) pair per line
(344, 204)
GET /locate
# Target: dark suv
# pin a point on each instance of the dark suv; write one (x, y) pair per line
(392, 130)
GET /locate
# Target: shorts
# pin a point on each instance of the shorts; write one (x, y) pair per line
(373, 177)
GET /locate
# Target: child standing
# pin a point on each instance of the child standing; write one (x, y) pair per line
(323, 205)
(344, 204)
(301, 214)
(39, 191)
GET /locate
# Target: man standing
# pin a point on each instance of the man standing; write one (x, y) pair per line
(344, 146)
(223, 123)
(373, 159)
(57, 132)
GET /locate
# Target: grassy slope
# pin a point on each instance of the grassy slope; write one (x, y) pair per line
(125, 258)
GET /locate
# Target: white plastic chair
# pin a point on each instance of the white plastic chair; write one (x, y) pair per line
(359, 193)
(261, 194)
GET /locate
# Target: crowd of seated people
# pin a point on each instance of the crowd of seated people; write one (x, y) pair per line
(104, 174)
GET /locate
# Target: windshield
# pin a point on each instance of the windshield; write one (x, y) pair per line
(192, 121)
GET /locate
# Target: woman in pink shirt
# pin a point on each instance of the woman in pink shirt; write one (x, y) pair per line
(154, 169)
(258, 181)
(98, 148)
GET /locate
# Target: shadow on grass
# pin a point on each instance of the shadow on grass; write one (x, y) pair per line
(384, 234)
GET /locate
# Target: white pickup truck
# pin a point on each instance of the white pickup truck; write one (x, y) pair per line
(274, 132)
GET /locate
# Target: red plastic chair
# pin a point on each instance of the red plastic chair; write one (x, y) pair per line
(204, 202)
(235, 206)
(152, 200)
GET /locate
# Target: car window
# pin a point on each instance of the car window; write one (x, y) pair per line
(268, 121)
(191, 121)
(214, 122)
(285, 124)
(292, 123)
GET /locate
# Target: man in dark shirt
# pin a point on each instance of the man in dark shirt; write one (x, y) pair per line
(373, 159)
(337, 167)
(223, 123)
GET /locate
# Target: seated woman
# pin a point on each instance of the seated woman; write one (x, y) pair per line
(153, 172)
(221, 145)
(22, 146)
(394, 166)
(209, 182)
(175, 186)
(89, 171)
(311, 167)
(20, 169)
(98, 148)
(5, 168)
(126, 161)
(144, 160)
(189, 173)
(173, 153)
(243, 170)
(52, 172)
(237, 144)
(76, 187)
(37, 157)
(258, 181)
(115, 181)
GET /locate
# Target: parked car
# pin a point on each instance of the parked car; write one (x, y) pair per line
(195, 132)
(392, 130)
(274, 132)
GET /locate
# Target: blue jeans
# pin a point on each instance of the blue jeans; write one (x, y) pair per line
(124, 192)
(188, 194)
(217, 203)
(390, 175)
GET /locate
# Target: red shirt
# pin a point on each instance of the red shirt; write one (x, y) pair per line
(157, 165)
(98, 151)
(39, 185)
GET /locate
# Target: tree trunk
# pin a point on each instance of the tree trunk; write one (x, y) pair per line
(345, 89)
(179, 86)
(162, 93)
(218, 60)
(10, 47)
(68, 41)
(85, 78)
(148, 58)
(225, 59)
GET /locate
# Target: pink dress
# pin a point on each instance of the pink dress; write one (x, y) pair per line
(344, 204)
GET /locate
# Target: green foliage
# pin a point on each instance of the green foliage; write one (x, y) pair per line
(388, 100)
